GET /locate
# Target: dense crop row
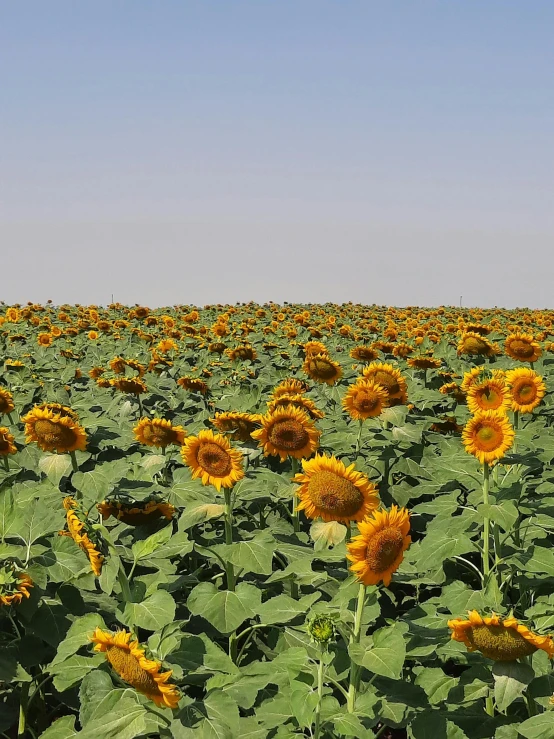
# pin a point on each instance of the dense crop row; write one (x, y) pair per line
(276, 521)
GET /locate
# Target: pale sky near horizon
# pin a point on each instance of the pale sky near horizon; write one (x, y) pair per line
(392, 152)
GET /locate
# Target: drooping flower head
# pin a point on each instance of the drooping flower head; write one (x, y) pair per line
(82, 534)
(54, 432)
(158, 432)
(500, 639)
(128, 660)
(377, 552)
(287, 432)
(6, 402)
(135, 512)
(333, 492)
(390, 379)
(321, 368)
(238, 426)
(7, 442)
(14, 586)
(473, 344)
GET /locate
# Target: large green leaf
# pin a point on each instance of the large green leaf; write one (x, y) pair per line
(224, 609)
(152, 613)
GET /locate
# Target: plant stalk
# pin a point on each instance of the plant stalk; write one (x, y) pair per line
(74, 464)
(486, 522)
(355, 669)
(319, 697)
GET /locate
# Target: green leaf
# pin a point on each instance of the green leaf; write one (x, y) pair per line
(77, 636)
(255, 555)
(94, 485)
(125, 721)
(222, 707)
(55, 466)
(9, 516)
(386, 656)
(435, 683)
(151, 614)
(282, 608)
(146, 547)
(62, 728)
(71, 671)
(510, 680)
(40, 519)
(224, 609)
(65, 561)
(94, 688)
(538, 727)
(303, 701)
(437, 547)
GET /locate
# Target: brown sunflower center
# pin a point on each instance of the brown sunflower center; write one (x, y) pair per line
(334, 494)
(383, 549)
(288, 435)
(54, 435)
(4, 405)
(522, 348)
(488, 438)
(366, 401)
(473, 345)
(489, 398)
(389, 382)
(4, 444)
(214, 459)
(525, 391)
(158, 435)
(500, 643)
(321, 367)
(128, 668)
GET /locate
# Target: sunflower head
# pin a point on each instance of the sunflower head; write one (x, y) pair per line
(299, 401)
(390, 379)
(7, 442)
(6, 402)
(54, 432)
(522, 347)
(322, 629)
(291, 386)
(193, 385)
(82, 533)
(333, 492)
(424, 362)
(211, 457)
(365, 399)
(287, 432)
(527, 389)
(488, 436)
(364, 353)
(130, 385)
(136, 513)
(377, 552)
(239, 426)
(488, 395)
(127, 659)
(14, 585)
(499, 639)
(158, 432)
(321, 368)
(473, 344)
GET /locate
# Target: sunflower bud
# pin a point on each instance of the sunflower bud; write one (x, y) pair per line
(322, 629)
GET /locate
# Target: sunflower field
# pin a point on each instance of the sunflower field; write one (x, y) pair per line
(276, 521)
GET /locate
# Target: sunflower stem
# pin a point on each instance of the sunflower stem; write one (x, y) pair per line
(74, 463)
(359, 439)
(6, 463)
(489, 705)
(516, 427)
(22, 725)
(140, 406)
(355, 669)
(229, 569)
(317, 728)
(294, 511)
(124, 584)
(11, 419)
(486, 521)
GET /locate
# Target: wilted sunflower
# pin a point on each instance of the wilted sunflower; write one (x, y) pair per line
(446, 426)
(7, 442)
(287, 432)
(488, 436)
(128, 660)
(54, 432)
(522, 347)
(488, 395)
(291, 386)
(500, 639)
(364, 353)
(365, 399)
(193, 384)
(6, 402)
(379, 549)
(217, 347)
(390, 379)
(473, 344)
(211, 457)
(131, 385)
(238, 426)
(527, 389)
(158, 432)
(321, 368)
(333, 492)
(298, 400)
(14, 586)
(82, 533)
(135, 512)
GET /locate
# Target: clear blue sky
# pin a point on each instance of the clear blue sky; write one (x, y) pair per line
(398, 151)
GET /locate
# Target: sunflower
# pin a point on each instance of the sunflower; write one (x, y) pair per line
(7, 442)
(13, 315)
(242, 352)
(6, 402)
(365, 399)
(390, 379)
(402, 350)
(287, 432)
(81, 534)
(453, 389)
(479, 374)
(364, 353)
(158, 432)
(217, 347)
(291, 386)
(14, 586)
(321, 368)
(500, 639)
(522, 347)
(333, 492)
(489, 395)
(211, 457)
(193, 384)
(473, 344)
(134, 512)
(44, 339)
(299, 401)
(128, 660)
(62, 410)
(239, 426)
(53, 431)
(424, 362)
(131, 385)
(527, 389)
(446, 426)
(488, 436)
(314, 347)
(376, 553)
